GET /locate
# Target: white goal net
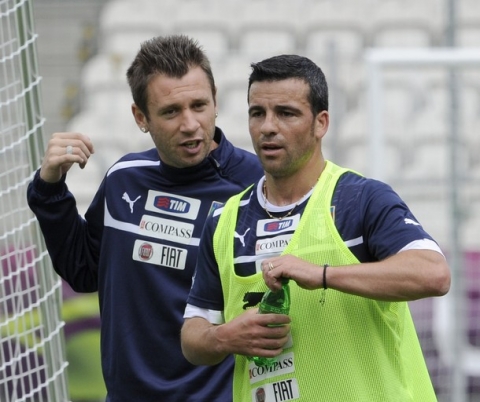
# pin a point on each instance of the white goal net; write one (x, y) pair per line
(32, 362)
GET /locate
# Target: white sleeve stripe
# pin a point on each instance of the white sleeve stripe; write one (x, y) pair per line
(212, 316)
(354, 242)
(424, 244)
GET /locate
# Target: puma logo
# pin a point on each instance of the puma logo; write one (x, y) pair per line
(241, 237)
(251, 299)
(409, 221)
(129, 201)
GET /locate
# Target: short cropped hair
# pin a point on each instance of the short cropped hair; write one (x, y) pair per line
(284, 67)
(171, 55)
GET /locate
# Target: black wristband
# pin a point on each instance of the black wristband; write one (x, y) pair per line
(325, 287)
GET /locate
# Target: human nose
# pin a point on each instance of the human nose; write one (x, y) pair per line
(190, 122)
(269, 125)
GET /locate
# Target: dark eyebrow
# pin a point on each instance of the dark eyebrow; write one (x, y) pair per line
(204, 99)
(175, 105)
(255, 109)
(289, 108)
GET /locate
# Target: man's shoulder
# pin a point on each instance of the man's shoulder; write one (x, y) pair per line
(147, 155)
(356, 192)
(241, 165)
(135, 160)
(355, 182)
(229, 148)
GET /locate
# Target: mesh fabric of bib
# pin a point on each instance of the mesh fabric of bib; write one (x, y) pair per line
(350, 349)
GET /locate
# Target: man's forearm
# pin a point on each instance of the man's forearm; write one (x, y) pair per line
(199, 344)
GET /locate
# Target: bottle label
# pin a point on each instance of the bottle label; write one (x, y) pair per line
(285, 390)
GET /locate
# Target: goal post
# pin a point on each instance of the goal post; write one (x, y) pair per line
(449, 321)
(377, 59)
(32, 358)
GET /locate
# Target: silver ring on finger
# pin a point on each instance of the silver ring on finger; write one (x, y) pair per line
(270, 266)
(69, 150)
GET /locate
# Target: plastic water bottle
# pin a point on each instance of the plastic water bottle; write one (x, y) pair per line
(277, 303)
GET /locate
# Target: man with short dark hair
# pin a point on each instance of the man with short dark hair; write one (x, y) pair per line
(353, 252)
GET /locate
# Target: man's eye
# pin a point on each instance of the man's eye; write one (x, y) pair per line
(199, 106)
(169, 112)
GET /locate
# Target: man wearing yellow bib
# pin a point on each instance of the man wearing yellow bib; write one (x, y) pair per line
(353, 251)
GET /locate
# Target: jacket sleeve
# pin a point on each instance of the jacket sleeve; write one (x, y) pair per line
(73, 242)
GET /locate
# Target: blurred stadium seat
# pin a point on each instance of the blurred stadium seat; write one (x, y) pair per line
(468, 12)
(104, 71)
(233, 113)
(468, 35)
(431, 162)
(432, 122)
(111, 135)
(124, 24)
(470, 108)
(470, 228)
(347, 41)
(402, 35)
(259, 41)
(233, 69)
(215, 39)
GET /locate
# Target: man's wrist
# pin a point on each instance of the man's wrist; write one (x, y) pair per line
(45, 188)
